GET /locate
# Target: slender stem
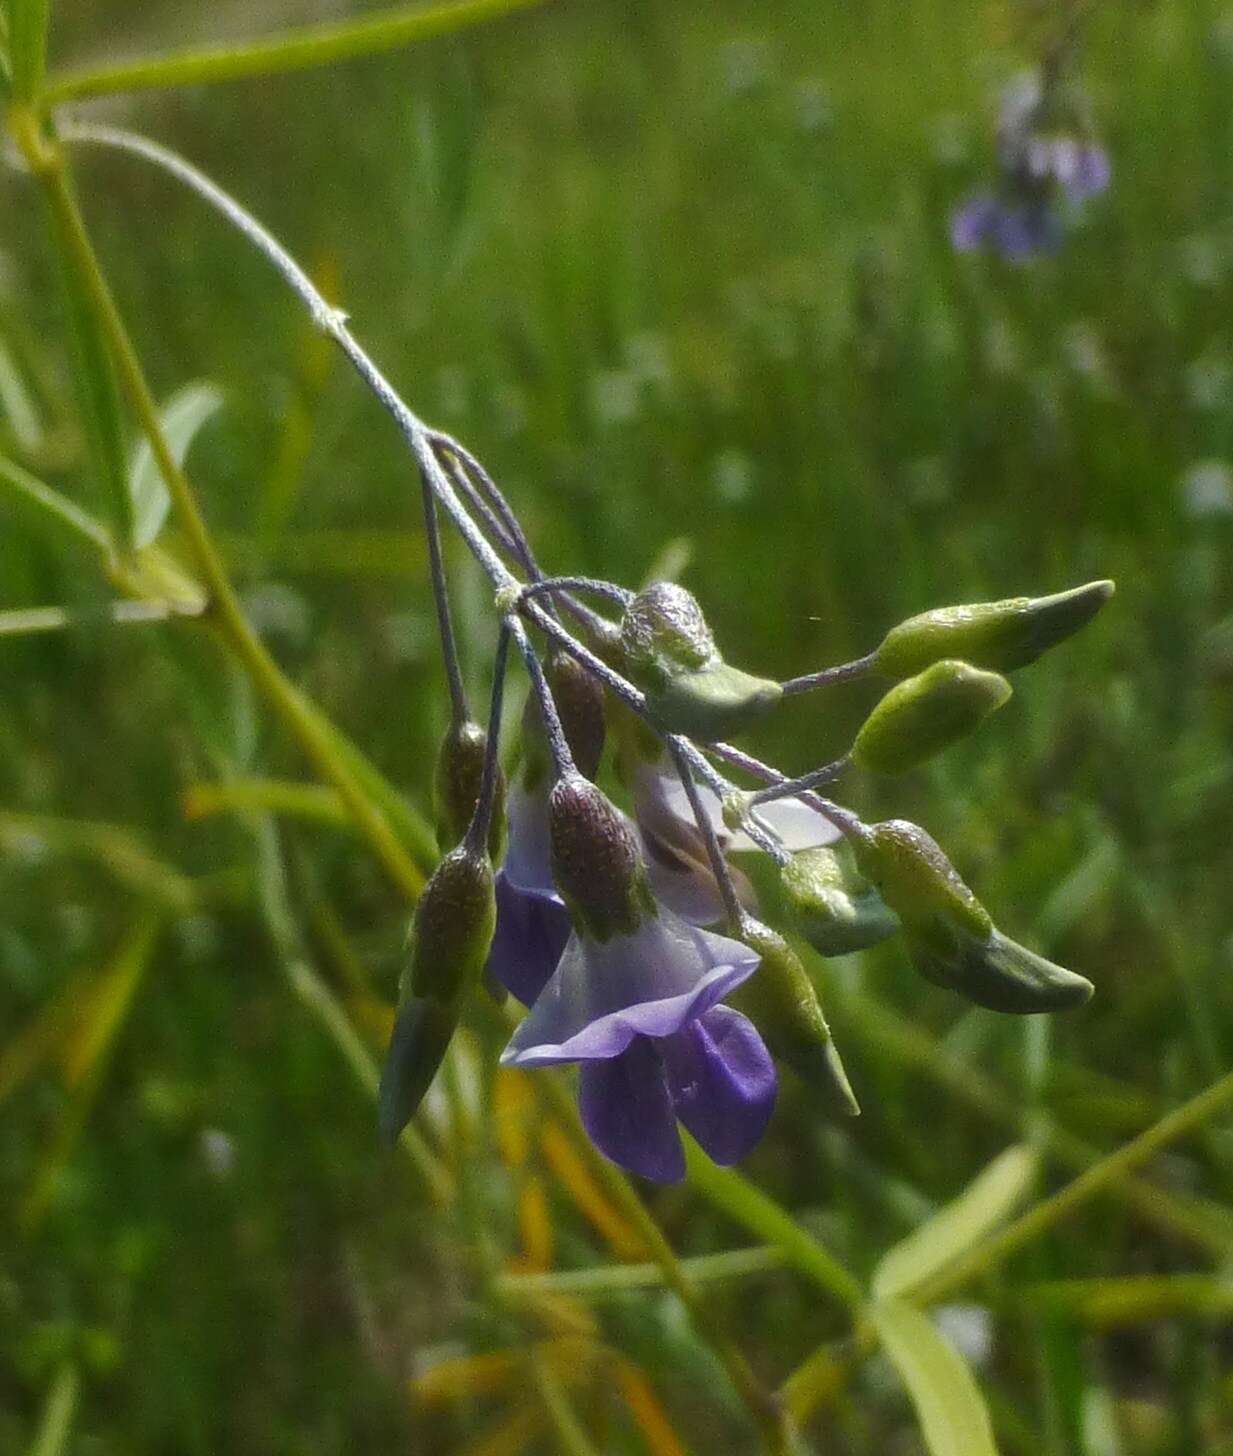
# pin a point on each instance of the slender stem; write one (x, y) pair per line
(493, 526)
(225, 605)
(53, 619)
(571, 1438)
(603, 1279)
(829, 675)
(843, 819)
(609, 590)
(441, 600)
(467, 467)
(54, 504)
(317, 45)
(787, 787)
(554, 730)
(481, 820)
(719, 865)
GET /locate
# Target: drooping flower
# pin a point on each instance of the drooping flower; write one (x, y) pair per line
(635, 1000)
(675, 851)
(532, 921)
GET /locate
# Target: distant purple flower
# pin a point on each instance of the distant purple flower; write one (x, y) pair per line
(640, 1012)
(532, 922)
(1046, 159)
(1014, 229)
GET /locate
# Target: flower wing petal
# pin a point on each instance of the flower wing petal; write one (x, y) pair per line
(723, 1083)
(627, 1111)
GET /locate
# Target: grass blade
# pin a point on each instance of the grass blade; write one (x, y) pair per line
(98, 395)
(28, 45)
(954, 1419)
(51, 503)
(319, 45)
(988, 1201)
(57, 1423)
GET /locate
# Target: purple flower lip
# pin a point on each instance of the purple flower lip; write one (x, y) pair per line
(527, 864)
(651, 983)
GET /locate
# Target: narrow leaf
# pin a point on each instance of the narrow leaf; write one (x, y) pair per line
(98, 395)
(51, 503)
(181, 417)
(56, 1426)
(16, 403)
(954, 1420)
(987, 1202)
(28, 45)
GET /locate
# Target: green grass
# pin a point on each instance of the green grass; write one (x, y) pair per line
(675, 272)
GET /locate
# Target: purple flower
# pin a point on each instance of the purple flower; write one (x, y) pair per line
(676, 858)
(1016, 229)
(532, 921)
(640, 1012)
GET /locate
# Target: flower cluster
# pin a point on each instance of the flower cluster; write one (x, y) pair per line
(635, 940)
(1048, 164)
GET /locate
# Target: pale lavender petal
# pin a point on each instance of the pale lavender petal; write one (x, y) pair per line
(795, 823)
(532, 931)
(972, 224)
(605, 993)
(722, 1082)
(627, 1111)
(527, 863)
(1087, 173)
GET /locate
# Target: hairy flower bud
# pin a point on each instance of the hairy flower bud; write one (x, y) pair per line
(925, 714)
(949, 935)
(663, 632)
(913, 875)
(579, 697)
(595, 861)
(451, 932)
(670, 652)
(831, 905)
(996, 972)
(713, 702)
(460, 767)
(998, 635)
(783, 1003)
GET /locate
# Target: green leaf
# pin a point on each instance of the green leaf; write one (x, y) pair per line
(990, 1199)
(28, 45)
(181, 417)
(17, 405)
(954, 1420)
(52, 505)
(98, 395)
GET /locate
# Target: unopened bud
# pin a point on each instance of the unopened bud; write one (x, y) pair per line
(927, 713)
(663, 632)
(713, 702)
(999, 635)
(596, 864)
(421, 1037)
(579, 697)
(451, 932)
(460, 767)
(783, 1003)
(913, 875)
(832, 906)
(996, 972)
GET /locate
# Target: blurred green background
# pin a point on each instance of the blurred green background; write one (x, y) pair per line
(680, 274)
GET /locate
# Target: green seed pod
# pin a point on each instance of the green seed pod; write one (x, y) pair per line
(831, 905)
(996, 972)
(783, 1002)
(918, 882)
(998, 635)
(460, 766)
(663, 632)
(451, 932)
(925, 714)
(712, 702)
(580, 701)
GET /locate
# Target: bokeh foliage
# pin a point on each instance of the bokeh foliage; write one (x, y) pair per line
(680, 274)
